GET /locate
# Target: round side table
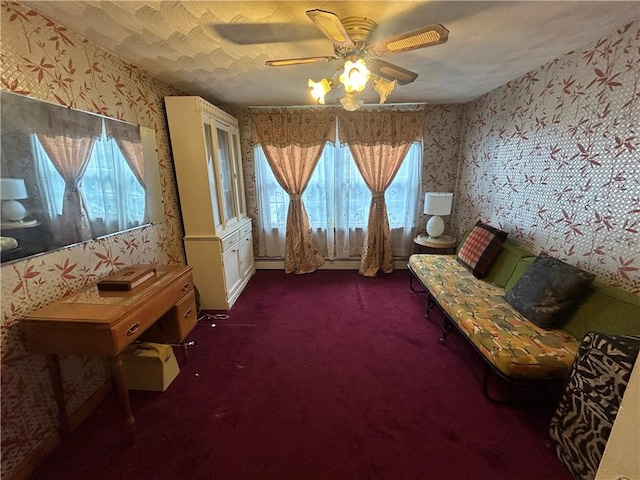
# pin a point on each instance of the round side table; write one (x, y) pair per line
(443, 244)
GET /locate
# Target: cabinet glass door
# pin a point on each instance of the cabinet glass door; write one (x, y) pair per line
(227, 177)
(237, 162)
(213, 189)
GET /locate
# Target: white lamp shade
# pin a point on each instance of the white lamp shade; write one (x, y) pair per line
(436, 203)
(12, 189)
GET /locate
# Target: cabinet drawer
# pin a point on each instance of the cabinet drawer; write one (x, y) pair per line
(227, 242)
(244, 231)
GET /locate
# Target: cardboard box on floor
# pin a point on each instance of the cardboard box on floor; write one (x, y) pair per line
(149, 366)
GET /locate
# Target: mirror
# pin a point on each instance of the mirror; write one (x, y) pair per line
(68, 176)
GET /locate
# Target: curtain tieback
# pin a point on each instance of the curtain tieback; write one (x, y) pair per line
(295, 196)
(377, 196)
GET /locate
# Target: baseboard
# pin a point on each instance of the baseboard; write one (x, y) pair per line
(268, 264)
(50, 443)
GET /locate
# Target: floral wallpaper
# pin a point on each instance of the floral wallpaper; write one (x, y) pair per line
(441, 144)
(553, 157)
(44, 60)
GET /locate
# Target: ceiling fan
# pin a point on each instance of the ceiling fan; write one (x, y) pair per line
(350, 37)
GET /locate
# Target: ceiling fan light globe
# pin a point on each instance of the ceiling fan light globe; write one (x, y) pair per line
(383, 88)
(350, 102)
(355, 75)
(319, 89)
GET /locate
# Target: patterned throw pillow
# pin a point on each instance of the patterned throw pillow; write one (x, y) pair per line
(547, 289)
(481, 248)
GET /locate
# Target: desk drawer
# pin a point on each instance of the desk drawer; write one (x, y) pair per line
(180, 288)
(186, 315)
(135, 325)
(131, 328)
(176, 324)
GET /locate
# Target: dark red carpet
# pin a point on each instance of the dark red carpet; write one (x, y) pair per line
(330, 376)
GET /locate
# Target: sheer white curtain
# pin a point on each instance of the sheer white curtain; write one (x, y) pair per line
(51, 186)
(337, 202)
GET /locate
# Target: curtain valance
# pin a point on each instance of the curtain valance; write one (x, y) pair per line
(380, 127)
(52, 120)
(303, 128)
(122, 130)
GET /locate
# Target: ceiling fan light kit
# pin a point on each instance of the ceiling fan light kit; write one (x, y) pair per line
(350, 37)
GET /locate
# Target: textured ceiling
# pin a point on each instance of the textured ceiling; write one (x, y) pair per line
(218, 49)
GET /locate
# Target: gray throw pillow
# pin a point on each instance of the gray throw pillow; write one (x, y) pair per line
(547, 289)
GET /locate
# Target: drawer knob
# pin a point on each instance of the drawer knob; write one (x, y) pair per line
(188, 313)
(133, 329)
(185, 287)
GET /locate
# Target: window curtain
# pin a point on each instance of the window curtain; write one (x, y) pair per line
(292, 142)
(337, 201)
(115, 200)
(51, 187)
(379, 141)
(70, 155)
(127, 137)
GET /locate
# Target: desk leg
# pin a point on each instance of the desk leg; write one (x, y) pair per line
(53, 362)
(123, 393)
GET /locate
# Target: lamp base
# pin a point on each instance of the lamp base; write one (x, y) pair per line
(13, 211)
(435, 227)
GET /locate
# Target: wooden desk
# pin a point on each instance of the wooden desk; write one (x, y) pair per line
(95, 322)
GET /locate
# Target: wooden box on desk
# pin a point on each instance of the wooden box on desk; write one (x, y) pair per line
(149, 366)
(127, 279)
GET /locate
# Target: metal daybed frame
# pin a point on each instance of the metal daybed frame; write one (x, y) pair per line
(430, 302)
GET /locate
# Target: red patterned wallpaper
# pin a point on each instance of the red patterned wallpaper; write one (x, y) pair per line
(44, 60)
(553, 158)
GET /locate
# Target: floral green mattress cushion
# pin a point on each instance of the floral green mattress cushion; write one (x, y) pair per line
(516, 346)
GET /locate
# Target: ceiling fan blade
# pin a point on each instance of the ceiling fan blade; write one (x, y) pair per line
(298, 61)
(255, 33)
(424, 37)
(391, 71)
(329, 24)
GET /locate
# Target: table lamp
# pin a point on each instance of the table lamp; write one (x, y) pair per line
(12, 190)
(436, 204)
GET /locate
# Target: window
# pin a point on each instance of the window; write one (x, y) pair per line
(115, 199)
(337, 202)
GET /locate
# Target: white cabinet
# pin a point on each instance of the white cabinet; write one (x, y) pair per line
(218, 242)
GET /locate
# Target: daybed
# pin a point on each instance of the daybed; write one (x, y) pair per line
(513, 346)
